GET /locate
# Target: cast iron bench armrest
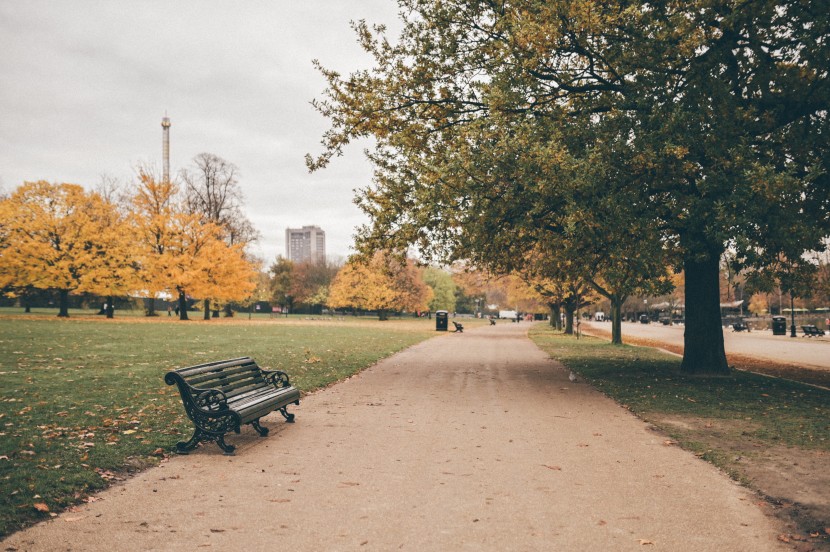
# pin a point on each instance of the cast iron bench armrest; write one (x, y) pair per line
(277, 378)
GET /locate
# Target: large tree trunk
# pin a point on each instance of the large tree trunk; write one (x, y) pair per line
(206, 305)
(151, 306)
(616, 319)
(570, 309)
(63, 303)
(555, 315)
(110, 307)
(182, 305)
(703, 352)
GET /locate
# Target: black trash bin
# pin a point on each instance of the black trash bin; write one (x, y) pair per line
(779, 325)
(442, 320)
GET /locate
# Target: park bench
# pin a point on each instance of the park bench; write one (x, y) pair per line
(219, 397)
(811, 331)
(459, 328)
(740, 327)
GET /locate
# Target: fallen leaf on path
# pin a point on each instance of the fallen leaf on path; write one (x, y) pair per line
(217, 530)
(348, 484)
(669, 443)
(280, 500)
(644, 542)
(783, 538)
(556, 468)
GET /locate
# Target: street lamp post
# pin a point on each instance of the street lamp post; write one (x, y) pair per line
(792, 315)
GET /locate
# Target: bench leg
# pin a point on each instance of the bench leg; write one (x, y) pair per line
(263, 431)
(184, 447)
(226, 448)
(288, 416)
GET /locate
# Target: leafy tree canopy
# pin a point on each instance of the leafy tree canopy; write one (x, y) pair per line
(488, 116)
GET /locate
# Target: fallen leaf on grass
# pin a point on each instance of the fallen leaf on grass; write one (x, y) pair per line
(41, 506)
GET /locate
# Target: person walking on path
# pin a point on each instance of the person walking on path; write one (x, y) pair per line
(473, 441)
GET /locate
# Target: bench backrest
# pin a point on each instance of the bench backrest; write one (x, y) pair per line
(231, 377)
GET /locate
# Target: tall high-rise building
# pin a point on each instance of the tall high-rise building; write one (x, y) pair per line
(165, 148)
(304, 244)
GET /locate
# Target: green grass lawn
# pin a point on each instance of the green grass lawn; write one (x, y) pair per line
(83, 401)
(649, 383)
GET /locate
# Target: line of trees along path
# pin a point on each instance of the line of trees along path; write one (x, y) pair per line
(537, 134)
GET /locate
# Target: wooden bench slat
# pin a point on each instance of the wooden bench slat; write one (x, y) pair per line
(208, 374)
(208, 366)
(219, 380)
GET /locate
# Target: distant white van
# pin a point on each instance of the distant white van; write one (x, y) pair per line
(507, 314)
(599, 316)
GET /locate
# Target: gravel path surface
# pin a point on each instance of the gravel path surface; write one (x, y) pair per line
(473, 441)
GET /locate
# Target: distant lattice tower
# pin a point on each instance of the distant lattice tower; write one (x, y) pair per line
(165, 147)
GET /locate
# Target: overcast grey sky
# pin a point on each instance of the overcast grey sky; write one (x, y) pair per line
(84, 85)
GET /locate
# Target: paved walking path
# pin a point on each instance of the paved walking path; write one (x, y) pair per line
(472, 441)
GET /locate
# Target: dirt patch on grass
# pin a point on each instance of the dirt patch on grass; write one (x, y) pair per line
(794, 481)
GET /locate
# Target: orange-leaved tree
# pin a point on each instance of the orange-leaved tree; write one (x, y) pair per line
(57, 236)
(153, 207)
(197, 262)
(183, 255)
(383, 284)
